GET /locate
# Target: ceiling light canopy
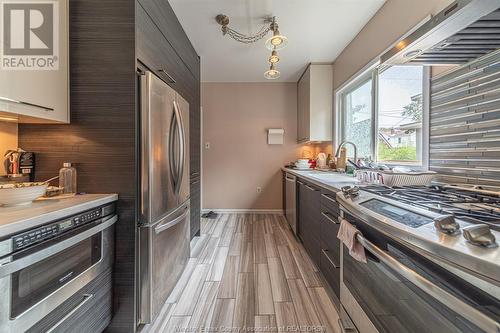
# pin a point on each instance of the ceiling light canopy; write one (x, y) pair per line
(276, 42)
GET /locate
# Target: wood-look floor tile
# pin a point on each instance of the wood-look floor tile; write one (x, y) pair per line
(244, 309)
(231, 222)
(236, 243)
(259, 248)
(278, 281)
(226, 237)
(187, 301)
(270, 244)
(199, 246)
(161, 321)
(217, 268)
(309, 275)
(327, 312)
(246, 258)
(247, 296)
(177, 324)
(202, 314)
(266, 324)
(288, 262)
(223, 313)
(285, 314)
(208, 254)
(229, 282)
(263, 291)
(219, 226)
(304, 308)
(183, 280)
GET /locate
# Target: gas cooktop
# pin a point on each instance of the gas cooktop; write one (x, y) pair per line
(468, 204)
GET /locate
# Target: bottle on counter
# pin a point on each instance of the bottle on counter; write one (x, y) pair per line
(67, 178)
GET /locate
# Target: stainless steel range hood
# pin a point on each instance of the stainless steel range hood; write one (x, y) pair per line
(463, 31)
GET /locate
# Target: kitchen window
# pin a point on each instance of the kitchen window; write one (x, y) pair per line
(383, 114)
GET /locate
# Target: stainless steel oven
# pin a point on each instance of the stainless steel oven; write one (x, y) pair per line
(43, 267)
(401, 290)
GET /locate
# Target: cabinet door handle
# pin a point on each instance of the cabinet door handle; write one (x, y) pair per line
(5, 99)
(326, 214)
(172, 80)
(311, 188)
(329, 198)
(325, 252)
(301, 183)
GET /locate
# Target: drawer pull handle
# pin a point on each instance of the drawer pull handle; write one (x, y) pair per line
(311, 188)
(325, 252)
(326, 214)
(86, 298)
(329, 198)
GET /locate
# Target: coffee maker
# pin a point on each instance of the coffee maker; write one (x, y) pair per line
(20, 165)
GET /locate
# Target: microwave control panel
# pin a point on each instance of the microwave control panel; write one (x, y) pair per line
(45, 232)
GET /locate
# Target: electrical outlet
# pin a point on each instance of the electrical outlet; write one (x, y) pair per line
(259, 189)
(207, 145)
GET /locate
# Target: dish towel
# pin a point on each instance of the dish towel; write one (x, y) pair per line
(347, 234)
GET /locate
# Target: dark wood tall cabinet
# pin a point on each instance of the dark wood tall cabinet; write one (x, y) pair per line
(108, 41)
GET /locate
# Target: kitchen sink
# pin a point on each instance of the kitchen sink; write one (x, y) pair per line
(334, 177)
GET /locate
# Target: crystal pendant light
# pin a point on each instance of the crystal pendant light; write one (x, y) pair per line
(272, 73)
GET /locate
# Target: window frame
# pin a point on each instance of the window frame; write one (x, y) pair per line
(372, 72)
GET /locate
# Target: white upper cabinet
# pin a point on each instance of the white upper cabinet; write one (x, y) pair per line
(314, 102)
(34, 64)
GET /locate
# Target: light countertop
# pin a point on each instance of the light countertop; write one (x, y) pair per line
(329, 180)
(19, 218)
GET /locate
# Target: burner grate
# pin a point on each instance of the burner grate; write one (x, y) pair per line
(468, 205)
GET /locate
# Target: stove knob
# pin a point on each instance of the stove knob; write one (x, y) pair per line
(480, 234)
(447, 224)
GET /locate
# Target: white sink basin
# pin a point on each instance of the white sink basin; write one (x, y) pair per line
(333, 177)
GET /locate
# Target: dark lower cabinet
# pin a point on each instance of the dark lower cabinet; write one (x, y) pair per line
(87, 311)
(309, 219)
(330, 244)
(318, 226)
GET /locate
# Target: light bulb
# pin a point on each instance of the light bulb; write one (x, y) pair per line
(277, 41)
(274, 58)
(272, 73)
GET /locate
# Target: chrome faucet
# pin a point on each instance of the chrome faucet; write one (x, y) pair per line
(342, 144)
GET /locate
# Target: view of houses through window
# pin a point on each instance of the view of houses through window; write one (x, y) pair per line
(398, 115)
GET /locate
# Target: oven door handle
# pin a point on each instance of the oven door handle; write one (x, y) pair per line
(452, 302)
(16, 265)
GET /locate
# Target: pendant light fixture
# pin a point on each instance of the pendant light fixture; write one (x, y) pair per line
(272, 73)
(274, 43)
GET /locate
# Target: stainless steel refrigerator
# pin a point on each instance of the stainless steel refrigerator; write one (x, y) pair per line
(164, 226)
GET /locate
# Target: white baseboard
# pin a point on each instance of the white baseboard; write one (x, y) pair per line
(243, 211)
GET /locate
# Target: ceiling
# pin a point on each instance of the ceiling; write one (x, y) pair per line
(317, 31)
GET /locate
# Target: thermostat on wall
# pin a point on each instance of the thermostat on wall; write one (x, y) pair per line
(275, 136)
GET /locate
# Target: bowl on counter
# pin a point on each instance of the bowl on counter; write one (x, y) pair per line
(21, 193)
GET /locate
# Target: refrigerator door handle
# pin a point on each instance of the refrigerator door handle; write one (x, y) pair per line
(171, 149)
(182, 148)
(170, 223)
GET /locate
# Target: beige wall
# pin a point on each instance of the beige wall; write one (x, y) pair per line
(235, 119)
(8, 140)
(394, 19)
